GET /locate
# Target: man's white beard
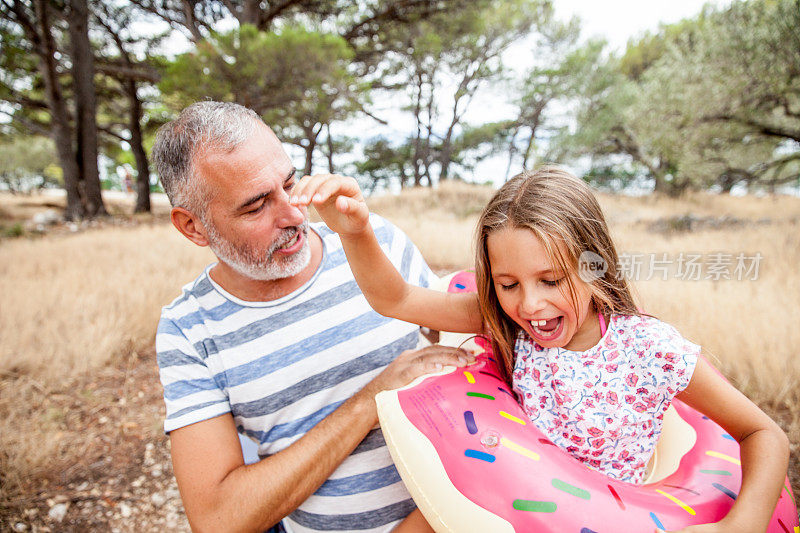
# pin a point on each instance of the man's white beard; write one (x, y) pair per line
(261, 265)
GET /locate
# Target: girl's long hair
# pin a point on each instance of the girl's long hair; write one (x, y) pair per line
(562, 211)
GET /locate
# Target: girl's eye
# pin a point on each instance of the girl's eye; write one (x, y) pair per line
(508, 286)
(552, 283)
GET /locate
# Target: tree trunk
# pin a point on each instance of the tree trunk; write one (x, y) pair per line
(142, 166)
(85, 107)
(61, 131)
(330, 150)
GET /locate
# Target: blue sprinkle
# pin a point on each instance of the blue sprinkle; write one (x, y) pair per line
(657, 521)
(469, 419)
(727, 436)
(724, 490)
(483, 456)
(587, 530)
(705, 417)
(460, 286)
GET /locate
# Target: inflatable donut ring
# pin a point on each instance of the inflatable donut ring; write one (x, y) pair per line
(473, 461)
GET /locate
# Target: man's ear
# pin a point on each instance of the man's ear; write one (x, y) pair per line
(190, 225)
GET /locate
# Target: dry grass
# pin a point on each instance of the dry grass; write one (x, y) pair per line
(73, 304)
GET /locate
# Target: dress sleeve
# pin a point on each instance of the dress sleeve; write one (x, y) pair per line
(191, 393)
(672, 358)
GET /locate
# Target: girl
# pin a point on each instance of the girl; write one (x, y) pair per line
(590, 370)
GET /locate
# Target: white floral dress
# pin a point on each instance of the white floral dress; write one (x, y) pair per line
(605, 406)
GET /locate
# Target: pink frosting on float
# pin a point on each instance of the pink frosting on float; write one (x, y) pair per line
(500, 461)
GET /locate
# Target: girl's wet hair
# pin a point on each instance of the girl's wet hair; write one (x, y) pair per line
(562, 211)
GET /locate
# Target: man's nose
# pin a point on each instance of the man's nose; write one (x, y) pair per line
(289, 215)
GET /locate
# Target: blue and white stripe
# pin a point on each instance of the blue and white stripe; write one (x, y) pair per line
(280, 367)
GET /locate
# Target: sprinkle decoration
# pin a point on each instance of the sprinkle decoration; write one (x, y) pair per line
(514, 447)
(657, 521)
(480, 395)
(724, 490)
(483, 456)
(512, 418)
(717, 472)
(570, 489)
(534, 507)
(469, 420)
(619, 500)
(724, 457)
(470, 377)
(677, 502)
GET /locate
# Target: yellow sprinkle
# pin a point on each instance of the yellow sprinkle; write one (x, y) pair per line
(677, 501)
(514, 447)
(724, 457)
(512, 418)
(470, 377)
(796, 529)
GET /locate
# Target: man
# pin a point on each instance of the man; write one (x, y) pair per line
(276, 341)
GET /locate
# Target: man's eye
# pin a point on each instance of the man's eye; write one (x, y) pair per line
(256, 209)
(288, 185)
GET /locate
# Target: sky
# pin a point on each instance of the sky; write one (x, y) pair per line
(615, 21)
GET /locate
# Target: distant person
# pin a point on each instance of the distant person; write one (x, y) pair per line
(591, 371)
(276, 342)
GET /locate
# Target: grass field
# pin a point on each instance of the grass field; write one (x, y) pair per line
(75, 304)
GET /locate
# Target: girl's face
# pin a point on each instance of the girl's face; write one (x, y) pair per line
(534, 293)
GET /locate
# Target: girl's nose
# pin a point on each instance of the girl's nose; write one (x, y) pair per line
(531, 303)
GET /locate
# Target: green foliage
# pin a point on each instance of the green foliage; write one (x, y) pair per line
(27, 163)
(295, 79)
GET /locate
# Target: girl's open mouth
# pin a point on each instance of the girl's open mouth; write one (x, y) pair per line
(547, 330)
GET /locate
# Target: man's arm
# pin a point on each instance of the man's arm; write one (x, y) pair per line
(220, 492)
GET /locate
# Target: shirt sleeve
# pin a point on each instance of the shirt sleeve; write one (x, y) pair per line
(191, 393)
(402, 252)
(673, 358)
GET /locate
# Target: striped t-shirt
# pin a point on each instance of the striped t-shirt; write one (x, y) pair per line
(279, 367)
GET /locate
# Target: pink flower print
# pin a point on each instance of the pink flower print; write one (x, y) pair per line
(658, 355)
(668, 368)
(611, 343)
(597, 453)
(611, 397)
(553, 368)
(631, 379)
(611, 367)
(597, 443)
(616, 466)
(556, 383)
(588, 384)
(536, 374)
(630, 398)
(639, 407)
(612, 355)
(588, 402)
(597, 395)
(671, 357)
(595, 463)
(624, 455)
(648, 344)
(572, 449)
(595, 432)
(609, 420)
(613, 434)
(577, 439)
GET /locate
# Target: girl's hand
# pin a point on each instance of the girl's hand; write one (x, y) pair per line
(338, 201)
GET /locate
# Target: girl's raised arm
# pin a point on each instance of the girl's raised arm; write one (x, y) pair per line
(339, 201)
(764, 448)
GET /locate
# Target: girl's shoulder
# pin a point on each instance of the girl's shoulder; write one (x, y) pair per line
(648, 334)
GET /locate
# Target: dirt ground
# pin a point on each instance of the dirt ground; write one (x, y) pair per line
(121, 479)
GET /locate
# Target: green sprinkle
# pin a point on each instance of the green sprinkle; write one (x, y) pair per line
(479, 395)
(534, 507)
(716, 472)
(570, 489)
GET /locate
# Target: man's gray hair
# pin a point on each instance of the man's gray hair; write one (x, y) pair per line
(202, 125)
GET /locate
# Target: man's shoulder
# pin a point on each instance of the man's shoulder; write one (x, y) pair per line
(190, 298)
